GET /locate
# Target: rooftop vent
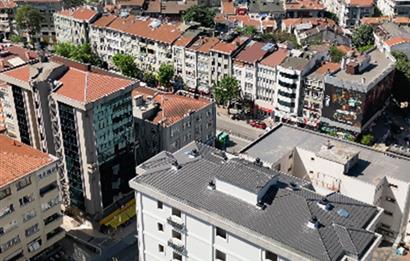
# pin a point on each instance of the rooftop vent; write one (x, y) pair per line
(261, 205)
(343, 213)
(258, 162)
(293, 186)
(193, 153)
(325, 204)
(175, 165)
(211, 185)
(313, 223)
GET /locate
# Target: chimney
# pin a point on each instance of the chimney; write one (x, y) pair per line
(363, 80)
(313, 223)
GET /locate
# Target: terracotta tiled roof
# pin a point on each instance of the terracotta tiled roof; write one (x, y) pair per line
(361, 3)
(86, 87)
(203, 44)
(176, 7)
(183, 41)
(21, 73)
(401, 20)
(154, 6)
(344, 48)
(173, 107)
(312, 20)
(7, 4)
(165, 32)
(245, 20)
(138, 3)
(228, 8)
(82, 13)
(39, 1)
(304, 5)
(275, 58)
(327, 67)
(104, 20)
(397, 40)
(17, 160)
(229, 47)
(252, 53)
(374, 20)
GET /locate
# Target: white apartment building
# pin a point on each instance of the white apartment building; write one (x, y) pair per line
(331, 164)
(314, 87)
(30, 204)
(166, 121)
(7, 10)
(393, 8)
(349, 12)
(202, 204)
(73, 25)
(88, 120)
(289, 81)
(246, 65)
(266, 82)
(148, 40)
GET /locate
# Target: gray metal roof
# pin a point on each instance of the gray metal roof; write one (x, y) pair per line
(288, 211)
(295, 63)
(266, 6)
(371, 166)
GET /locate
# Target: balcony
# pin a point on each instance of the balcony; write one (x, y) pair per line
(54, 233)
(52, 218)
(51, 187)
(177, 246)
(177, 224)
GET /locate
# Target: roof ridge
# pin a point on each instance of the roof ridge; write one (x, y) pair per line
(86, 86)
(349, 235)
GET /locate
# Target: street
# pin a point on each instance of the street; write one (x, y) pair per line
(237, 128)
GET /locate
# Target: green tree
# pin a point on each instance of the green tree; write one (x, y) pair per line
(248, 30)
(200, 14)
(125, 63)
(16, 38)
(367, 139)
(28, 19)
(336, 55)
(150, 79)
(226, 90)
(165, 74)
(83, 53)
(64, 49)
(363, 36)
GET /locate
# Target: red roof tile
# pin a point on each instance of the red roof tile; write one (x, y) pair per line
(20, 73)
(203, 44)
(397, 40)
(104, 20)
(315, 21)
(183, 41)
(17, 160)
(327, 68)
(86, 87)
(228, 8)
(138, 3)
(229, 47)
(82, 13)
(304, 5)
(252, 53)
(275, 58)
(7, 4)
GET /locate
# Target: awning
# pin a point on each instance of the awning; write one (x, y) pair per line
(120, 216)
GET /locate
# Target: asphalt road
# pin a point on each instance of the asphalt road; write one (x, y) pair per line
(237, 128)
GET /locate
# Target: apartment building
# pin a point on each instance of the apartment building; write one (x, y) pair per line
(394, 7)
(148, 40)
(73, 25)
(266, 82)
(166, 121)
(314, 87)
(198, 64)
(47, 9)
(7, 11)
(87, 117)
(245, 66)
(200, 203)
(30, 204)
(390, 37)
(355, 95)
(332, 164)
(304, 8)
(350, 12)
(289, 81)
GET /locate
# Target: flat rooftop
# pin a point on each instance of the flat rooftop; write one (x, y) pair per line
(379, 65)
(371, 166)
(295, 63)
(289, 204)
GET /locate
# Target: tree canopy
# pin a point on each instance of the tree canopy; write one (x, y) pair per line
(81, 53)
(363, 37)
(165, 74)
(401, 86)
(28, 19)
(248, 30)
(226, 90)
(367, 139)
(150, 79)
(336, 55)
(200, 14)
(126, 65)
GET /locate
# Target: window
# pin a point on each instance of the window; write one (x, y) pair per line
(176, 256)
(220, 232)
(219, 255)
(392, 200)
(32, 230)
(160, 227)
(270, 256)
(176, 235)
(176, 212)
(24, 182)
(159, 204)
(161, 248)
(388, 213)
(290, 169)
(5, 193)
(291, 155)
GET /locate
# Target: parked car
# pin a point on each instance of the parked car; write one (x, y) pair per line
(257, 124)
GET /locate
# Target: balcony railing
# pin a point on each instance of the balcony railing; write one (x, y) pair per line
(176, 224)
(179, 248)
